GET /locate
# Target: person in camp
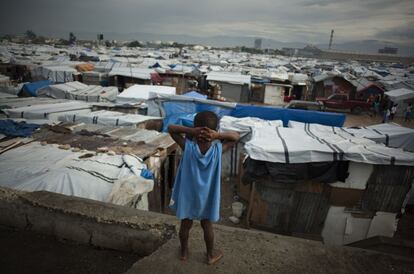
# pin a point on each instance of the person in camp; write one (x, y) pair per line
(196, 192)
(408, 113)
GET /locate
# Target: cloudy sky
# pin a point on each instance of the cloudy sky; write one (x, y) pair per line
(293, 20)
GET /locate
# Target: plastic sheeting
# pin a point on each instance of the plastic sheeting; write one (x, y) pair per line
(302, 145)
(245, 125)
(138, 93)
(57, 74)
(79, 91)
(183, 112)
(107, 118)
(390, 134)
(31, 89)
(34, 167)
(195, 94)
(15, 129)
(286, 115)
(47, 111)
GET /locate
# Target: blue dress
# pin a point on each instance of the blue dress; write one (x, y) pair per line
(196, 193)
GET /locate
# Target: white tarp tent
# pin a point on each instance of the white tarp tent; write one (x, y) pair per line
(57, 74)
(402, 97)
(303, 145)
(79, 91)
(137, 93)
(34, 167)
(49, 111)
(139, 73)
(229, 77)
(390, 134)
(245, 125)
(107, 118)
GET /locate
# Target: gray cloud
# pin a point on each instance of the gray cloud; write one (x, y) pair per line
(295, 20)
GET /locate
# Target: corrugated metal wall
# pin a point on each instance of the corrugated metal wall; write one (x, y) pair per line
(387, 188)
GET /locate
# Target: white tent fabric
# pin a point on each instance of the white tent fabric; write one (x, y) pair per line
(48, 111)
(57, 74)
(107, 118)
(390, 134)
(139, 73)
(79, 91)
(34, 167)
(137, 93)
(245, 125)
(233, 78)
(303, 145)
(400, 94)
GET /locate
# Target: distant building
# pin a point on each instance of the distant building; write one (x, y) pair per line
(388, 50)
(258, 43)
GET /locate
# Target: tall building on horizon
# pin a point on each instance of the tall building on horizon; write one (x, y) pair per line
(258, 43)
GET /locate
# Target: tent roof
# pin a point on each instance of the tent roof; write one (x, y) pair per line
(143, 92)
(139, 73)
(234, 78)
(400, 94)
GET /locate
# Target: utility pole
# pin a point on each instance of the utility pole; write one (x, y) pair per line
(330, 40)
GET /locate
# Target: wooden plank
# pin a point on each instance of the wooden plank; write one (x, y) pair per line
(10, 147)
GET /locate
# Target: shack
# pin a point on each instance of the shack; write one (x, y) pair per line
(234, 87)
(328, 186)
(326, 84)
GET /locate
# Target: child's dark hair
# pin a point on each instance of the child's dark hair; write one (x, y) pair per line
(206, 119)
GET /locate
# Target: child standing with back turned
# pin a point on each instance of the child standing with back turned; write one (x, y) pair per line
(196, 193)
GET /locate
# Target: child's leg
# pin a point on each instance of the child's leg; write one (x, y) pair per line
(184, 234)
(212, 255)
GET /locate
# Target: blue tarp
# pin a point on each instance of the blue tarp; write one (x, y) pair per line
(285, 114)
(32, 88)
(195, 94)
(182, 113)
(15, 129)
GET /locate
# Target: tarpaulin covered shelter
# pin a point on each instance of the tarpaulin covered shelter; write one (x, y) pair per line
(138, 93)
(108, 118)
(390, 134)
(31, 89)
(402, 97)
(79, 91)
(48, 111)
(34, 167)
(234, 87)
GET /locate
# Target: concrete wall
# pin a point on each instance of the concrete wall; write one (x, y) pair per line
(86, 221)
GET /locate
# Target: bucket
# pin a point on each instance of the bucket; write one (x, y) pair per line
(237, 208)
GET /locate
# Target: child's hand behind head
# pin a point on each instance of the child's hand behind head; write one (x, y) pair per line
(208, 134)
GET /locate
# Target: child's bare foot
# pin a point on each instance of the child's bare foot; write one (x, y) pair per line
(215, 257)
(183, 254)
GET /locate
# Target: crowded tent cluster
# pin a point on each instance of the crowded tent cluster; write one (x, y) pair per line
(93, 122)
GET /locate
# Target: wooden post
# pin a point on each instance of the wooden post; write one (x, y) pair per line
(249, 210)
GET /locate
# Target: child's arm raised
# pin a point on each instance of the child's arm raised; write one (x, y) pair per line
(229, 138)
(177, 132)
